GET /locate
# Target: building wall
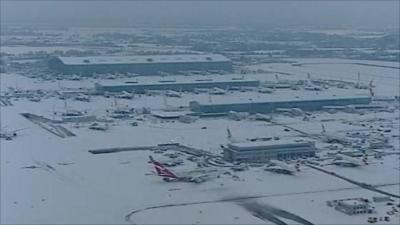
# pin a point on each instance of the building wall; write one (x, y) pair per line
(268, 107)
(266, 154)
(353, 209)
(173, 86)
(138, 68)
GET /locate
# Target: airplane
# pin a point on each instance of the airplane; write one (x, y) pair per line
(231, 139)
(171, 93)
(237, 115)
(68, 112)
(291, 111)
(262, 117)
(125, 95)
(347, 161)
(313, 88)
(71, 112)
(121, 112)
(280, 167)
(34, 99)
(82, 97)
(9, 135)
(217, 91)
(193, 176)
(75, 77)
(333, 137)
(266, 90)
(98, 126)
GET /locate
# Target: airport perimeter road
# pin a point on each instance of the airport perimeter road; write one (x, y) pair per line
(270, 213)
(128, 217)
(360, 184)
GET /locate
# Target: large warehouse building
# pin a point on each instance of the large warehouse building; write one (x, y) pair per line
(310, 103)
(187, 85)
(142, 65)
(267, 150)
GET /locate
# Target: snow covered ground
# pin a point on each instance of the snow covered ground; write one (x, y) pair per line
(46, 179)
(385, 75)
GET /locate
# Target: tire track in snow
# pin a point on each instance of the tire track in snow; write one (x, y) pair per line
(241, 198)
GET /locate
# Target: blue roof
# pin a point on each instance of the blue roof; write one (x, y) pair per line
(140, 59)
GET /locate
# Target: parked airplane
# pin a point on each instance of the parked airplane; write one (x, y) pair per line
(333, 137)
(125, 95)
(266, 90)
(98, 126)
(34, 99)
(347, 161)
(70, 113)
(280, 167)
(193, 176)
(121, 112)
(171, 93)
(82, 97)
(9, 135)
(262, 117)
(217, 91)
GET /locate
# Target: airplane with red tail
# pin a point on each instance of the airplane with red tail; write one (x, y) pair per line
(193, 176)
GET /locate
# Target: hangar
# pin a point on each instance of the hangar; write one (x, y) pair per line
(268, 106)
(186, 85)
(142, 65)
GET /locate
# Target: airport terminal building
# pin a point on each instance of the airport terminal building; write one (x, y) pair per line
(186, 85)
(307, 103)
(267, 150)
(141, 65)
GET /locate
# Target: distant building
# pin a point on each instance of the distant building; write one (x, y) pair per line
(142, 65)
(353, 206)
(381, 199)
(267, 150)
(315, 103)
(174, 85)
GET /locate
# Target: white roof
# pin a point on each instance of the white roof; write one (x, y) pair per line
(285, 98)
(352, 202)
(139, 59)
(268, 144)
(166, 114)
(189, 80)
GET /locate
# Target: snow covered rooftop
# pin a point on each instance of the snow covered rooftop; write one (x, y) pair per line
(352, 202)
(272, 144)
(169, 114)
(181, 80)
(217, 100)
(139, 59)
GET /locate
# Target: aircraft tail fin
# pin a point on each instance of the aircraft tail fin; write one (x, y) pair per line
(365, 159)
(297, 167)
(323, 128)
(370, 87)
(229, 134)
(161, 170)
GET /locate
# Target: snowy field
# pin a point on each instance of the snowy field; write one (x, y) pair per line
(385, 75)
(83, 188)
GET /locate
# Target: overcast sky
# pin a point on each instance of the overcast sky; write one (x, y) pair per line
(270, 14)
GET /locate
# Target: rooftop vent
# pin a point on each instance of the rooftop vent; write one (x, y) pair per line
(86, 61)
(149, 60)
